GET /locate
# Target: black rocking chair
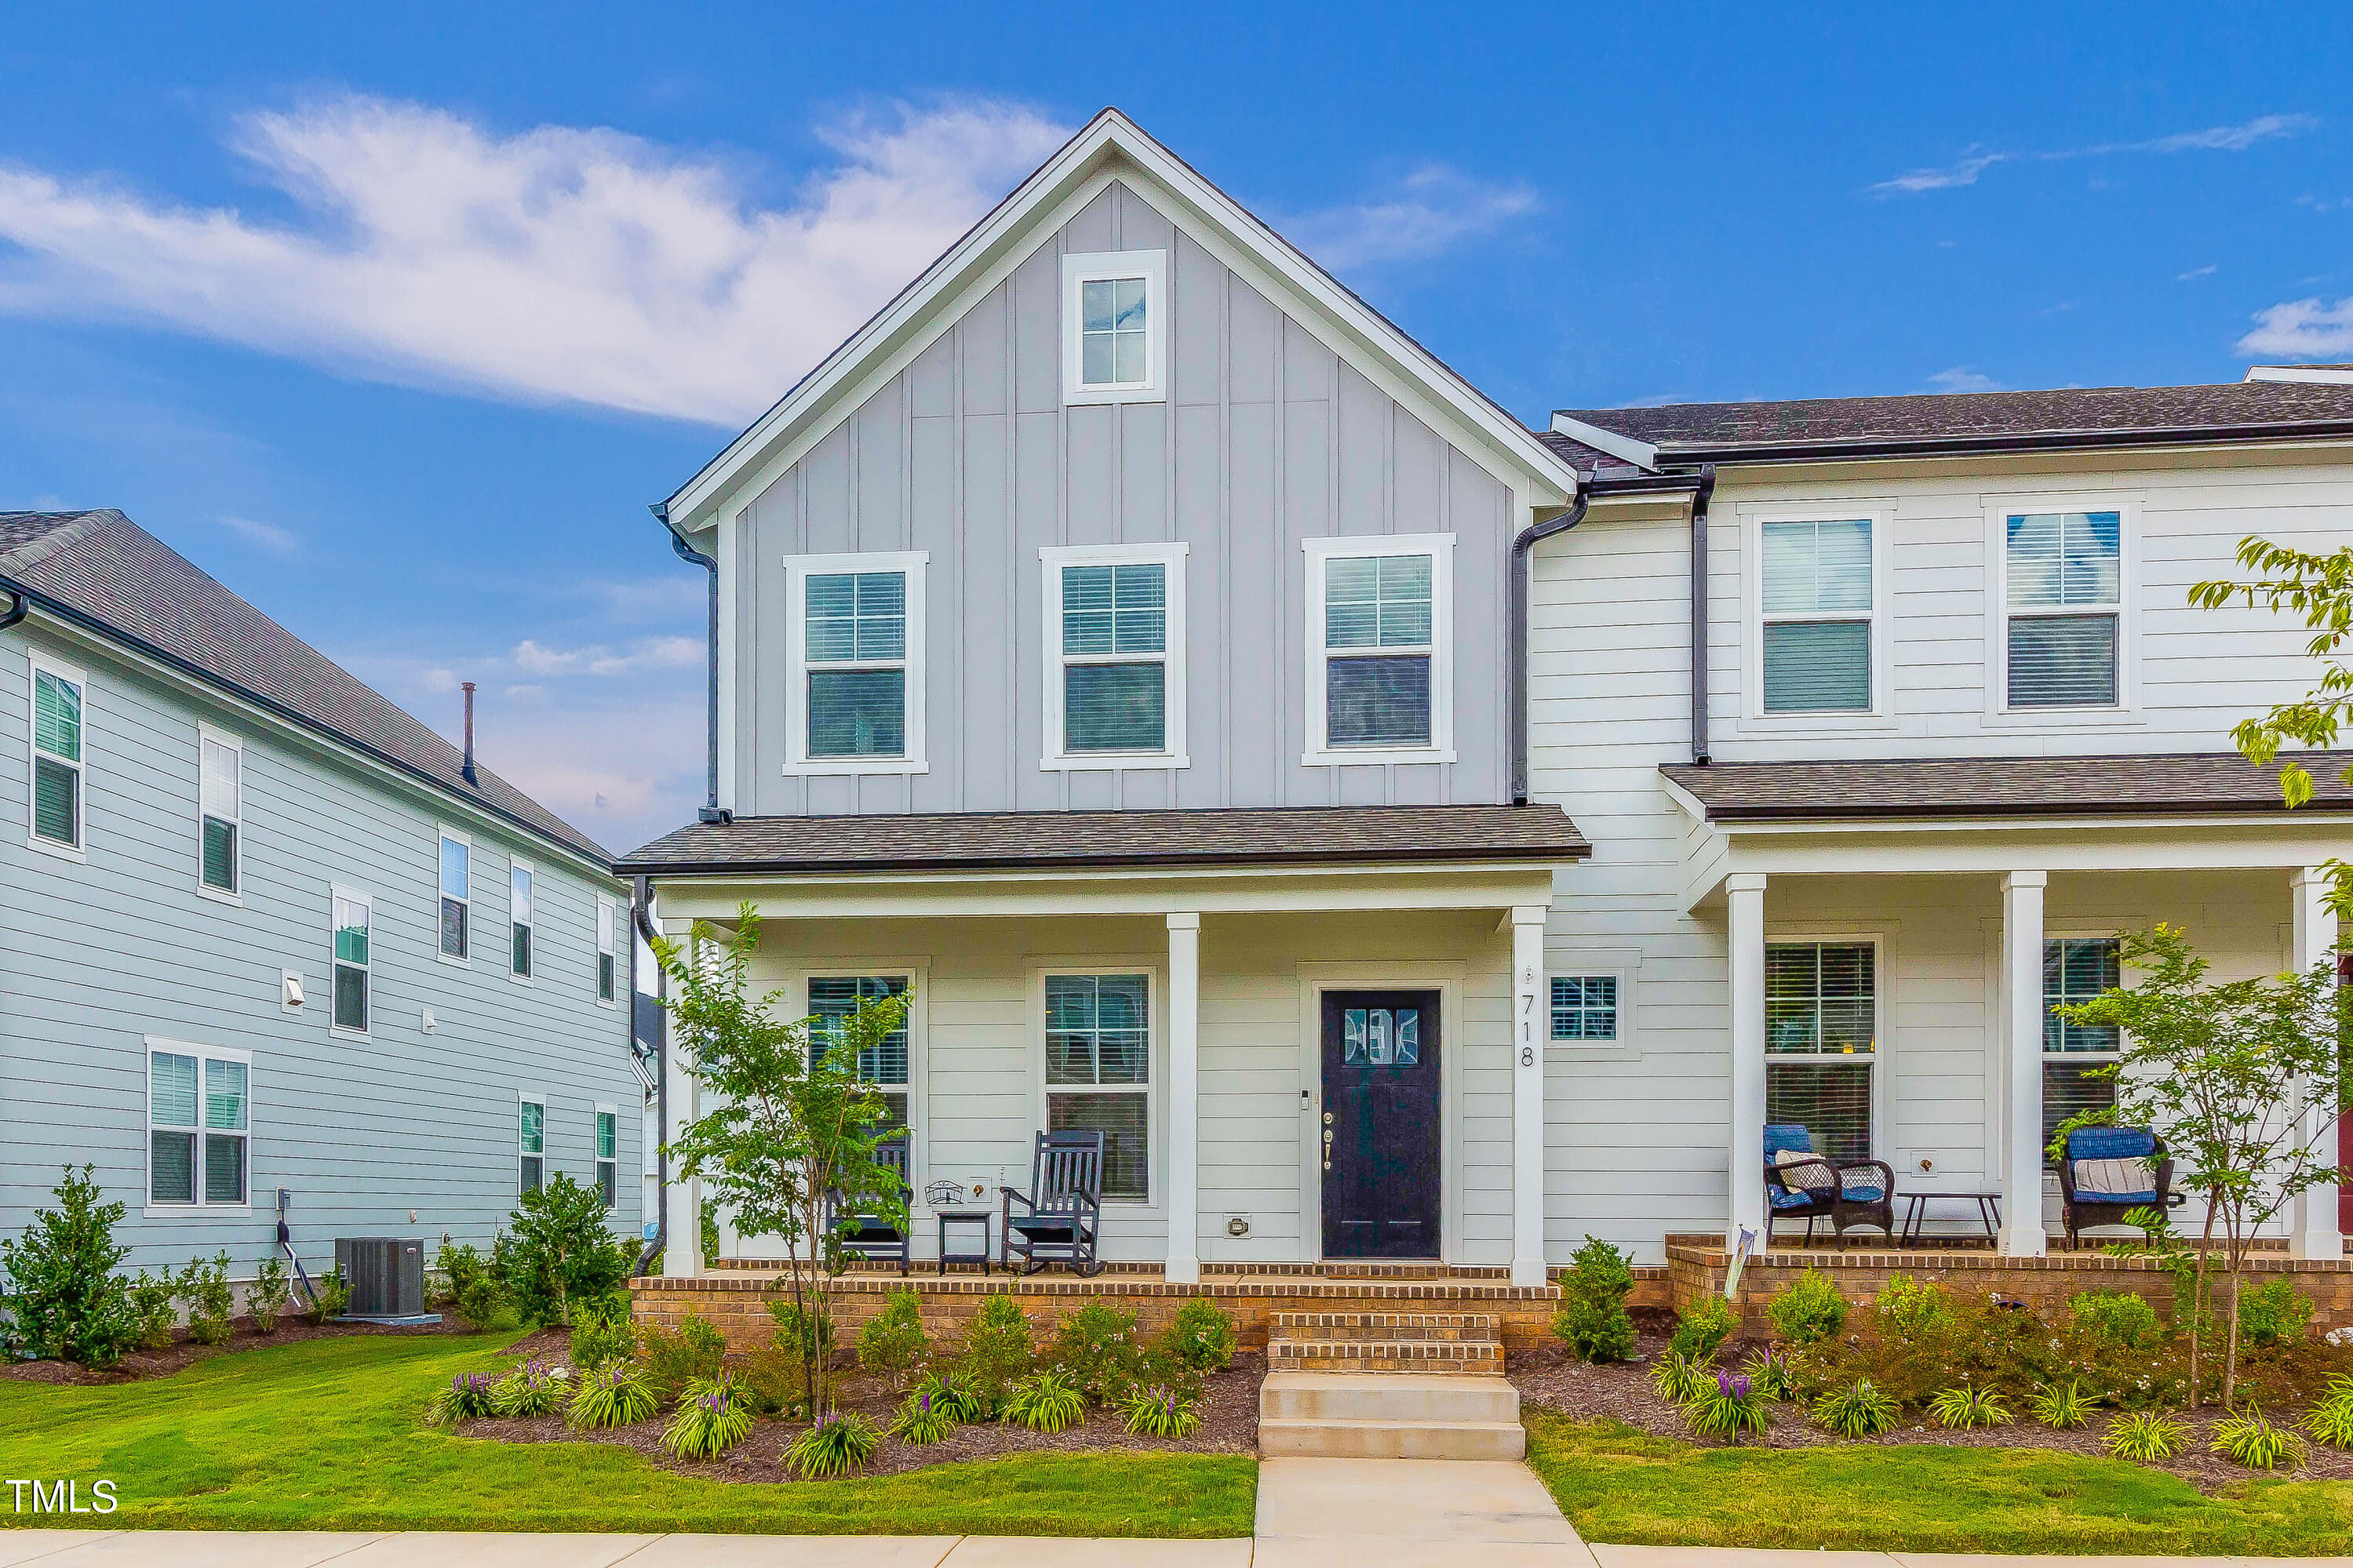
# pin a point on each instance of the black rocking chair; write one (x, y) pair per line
(1061, 1213)
(871, 1237)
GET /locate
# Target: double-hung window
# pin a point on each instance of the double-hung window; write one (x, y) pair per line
(457, 898)
(518, 918)
(2076, 969)
(57, 757)
(220, 789)
(1816, 600)
(1114, 326)
(1584, 1007)
(197, 1132)
(608, 1179)
(607, 918)
(831, 999)
(1821, 1030)
(855, 699)
(2063, 601)
(1116, 664)
(352, 915)
(530, 1143)
(1099, 1071)
(1379, 659)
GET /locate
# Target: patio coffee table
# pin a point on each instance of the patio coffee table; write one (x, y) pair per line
(981, 1217)
(1915, 1213)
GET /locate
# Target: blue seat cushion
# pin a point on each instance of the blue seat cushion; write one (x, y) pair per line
(2111, 1143)
(2128, 1200)
(1783, 1198)
(1860, 1193)
(1788, 1138)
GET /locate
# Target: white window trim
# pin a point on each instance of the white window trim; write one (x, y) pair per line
(608, 919)
(2126, 709)
(1621, 965)
(798, 762)
(596, 1160)
(1882, 938)
(204, 733)
(1079, 269)
(150, 1208)
(366, 901)
(38, 664)
(1881, 714)
(1439, 547)
(466, 959)
(1154, 968)
(517, 863)
(547, 1173)
(1171, 559)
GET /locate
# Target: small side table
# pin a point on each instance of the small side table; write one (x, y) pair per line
(1915, 1213)
(981, 1217)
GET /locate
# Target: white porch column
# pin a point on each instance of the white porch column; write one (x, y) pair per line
(1184, 1265)
(1527, 1094)
(2022, 1019)
(682, 1245)
(2311, 1214)
(1744, 893)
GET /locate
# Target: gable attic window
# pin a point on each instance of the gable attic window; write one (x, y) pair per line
(854, 690)
(57, 807)
(220, 766)
(1114, 326)
(1115, 664)
(1379, 650)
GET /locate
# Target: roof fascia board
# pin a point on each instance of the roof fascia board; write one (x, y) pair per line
(1102, 871)
(2040, 820)
(1642, 454)
(1761, 453)
(83, 632)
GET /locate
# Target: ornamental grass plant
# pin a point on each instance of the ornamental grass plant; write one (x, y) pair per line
(1046, 1402)
(613, 1394)
(1162, 1413)
(837, 1445)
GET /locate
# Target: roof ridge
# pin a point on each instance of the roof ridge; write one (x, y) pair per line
(32, 553)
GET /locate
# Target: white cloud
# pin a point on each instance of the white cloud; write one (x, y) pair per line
(651, 652)
(2197, 272)
(268, 535)
(2302, 329)
(554, 265)
(1964, 378)
(1429, 212)
(1965, 170)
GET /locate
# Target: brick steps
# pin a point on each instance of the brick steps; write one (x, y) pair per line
(1385, 1342)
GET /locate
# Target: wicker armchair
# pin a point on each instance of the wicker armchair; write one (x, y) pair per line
(1847, 1193)
(2108, 1173)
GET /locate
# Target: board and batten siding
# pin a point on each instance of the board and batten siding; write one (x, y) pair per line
(1267, 438)
(97, 955)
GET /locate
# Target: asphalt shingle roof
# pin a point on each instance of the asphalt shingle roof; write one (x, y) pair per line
(2179, 783)
(107, 571)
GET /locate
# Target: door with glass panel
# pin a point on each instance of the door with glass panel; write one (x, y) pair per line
(1379, 1134)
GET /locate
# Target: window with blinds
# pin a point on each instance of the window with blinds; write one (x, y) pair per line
(1379, 646)
(1821, 1027)
(220, 766)
(1584, 1007)
(1114, 654)
(2062, 600)
(854, 646)
(607, 918)
(197, 1128)
(519, 919)
(2076, 969)
(531, 1139)
(1099, 1071)
(352, 915)
(609, 1182)
(457, 892)
(834, 997)
(1817, 604)
(57, 758)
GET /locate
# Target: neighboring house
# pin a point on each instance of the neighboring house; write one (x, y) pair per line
(268, 933)
(1118, 642)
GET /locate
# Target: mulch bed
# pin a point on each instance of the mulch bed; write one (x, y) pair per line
(1551, 1377)
(186, 1352)
(1229, 1425)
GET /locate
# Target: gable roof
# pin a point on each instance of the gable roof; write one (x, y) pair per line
(1935, 423)
(106, 574)
(902, 327)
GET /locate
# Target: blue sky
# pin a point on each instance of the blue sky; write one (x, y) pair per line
(395, 317)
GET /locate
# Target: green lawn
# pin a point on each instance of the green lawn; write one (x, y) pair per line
(1626, 1487)
(328, 1435)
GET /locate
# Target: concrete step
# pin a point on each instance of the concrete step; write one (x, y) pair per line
(1393, 1356)
(1484, 1326)
(1389, 1440)
(1398, 1398)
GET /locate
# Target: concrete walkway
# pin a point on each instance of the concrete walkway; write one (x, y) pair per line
(1373, 1513)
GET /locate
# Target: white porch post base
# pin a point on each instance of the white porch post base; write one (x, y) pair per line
(2313, 1214)
(2021, 1009)
(1184, 1265)
(1744, 893)
(1527, 1094)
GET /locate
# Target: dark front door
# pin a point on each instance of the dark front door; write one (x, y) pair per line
(1380, 1124)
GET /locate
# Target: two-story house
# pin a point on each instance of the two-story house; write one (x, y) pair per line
(1406, 835)
(268, 935)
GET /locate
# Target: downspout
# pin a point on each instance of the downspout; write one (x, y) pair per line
(1516, 636)
(1700, 497)
(641, 925)
(711, 811)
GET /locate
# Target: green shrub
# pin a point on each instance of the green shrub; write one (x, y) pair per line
(1967, 1407)
(1809, 1312)
(1162, 1413)
(1202, 1336)
(485, 1307)
(150, 1304)
(1097, 1349)
(997, 1350)
(204, 1287)
(331, 1294)
(2117, 1319)
(558, 1250)
(66, 1300)
(1702, 1327)
(2062, 1407)
(892, 1343)
(674, 1357)
(1908, 1307)
(1593, 1319)
(1679, 1378)
(836, 1445)
(925, 1418)
(2252, 1441)
(2145, 1435)
(2331, 1420)
(954, 1392)
(2273, 1314)
(530, 1389)
(1046, 1402)
(1862, 1409)
(468, 1397)
(267, 1299)
(801, 1330)
(458, 1264)
(712, 1418)
(775, 1380)
(613, 1394)
(602, 1333)
(1727, 1406)
(1771, 1373)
